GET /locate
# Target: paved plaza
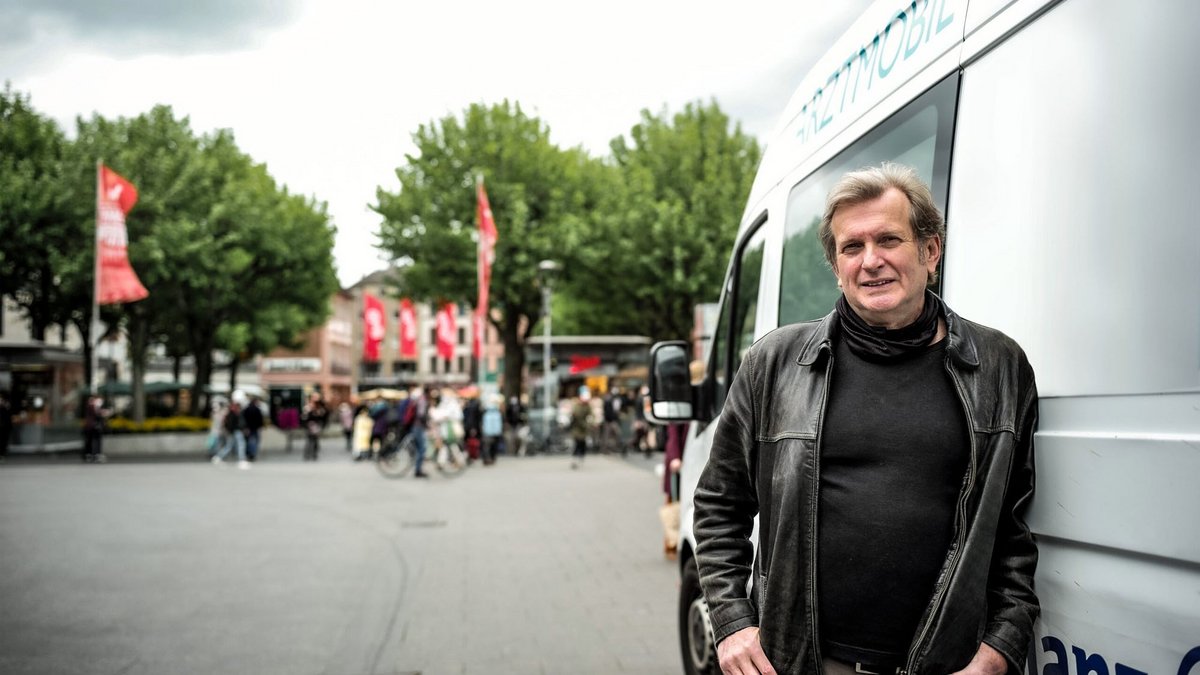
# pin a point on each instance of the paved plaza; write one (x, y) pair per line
(328, 568)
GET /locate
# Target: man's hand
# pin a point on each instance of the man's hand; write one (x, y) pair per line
(987, 661)
(742, 654)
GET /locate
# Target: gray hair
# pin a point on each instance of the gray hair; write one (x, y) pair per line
(872, 182)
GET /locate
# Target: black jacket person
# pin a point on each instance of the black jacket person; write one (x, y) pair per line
(887, 450)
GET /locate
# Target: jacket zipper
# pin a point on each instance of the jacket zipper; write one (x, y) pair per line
(812, 561)
(962, 515)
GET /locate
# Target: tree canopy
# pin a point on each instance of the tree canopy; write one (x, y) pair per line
(540, 194)
(232, 260)
(641, 237)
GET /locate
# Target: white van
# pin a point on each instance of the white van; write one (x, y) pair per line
(1062, 141)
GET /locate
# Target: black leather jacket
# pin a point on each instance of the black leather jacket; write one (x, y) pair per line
(765, 461)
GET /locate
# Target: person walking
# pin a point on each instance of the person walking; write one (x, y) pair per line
(472, 422)
(234, 425)
(514, 418)
(581, 423)
(492, 429)
(94, 415)
(887, 453)
(313, 418)
(346, 419)
(252, 416)
(417, 418)
(610, 431)
(362, 434)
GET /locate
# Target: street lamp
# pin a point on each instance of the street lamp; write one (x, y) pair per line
(547, 271)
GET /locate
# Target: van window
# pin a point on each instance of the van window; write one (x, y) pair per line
(738, 312)
(919, 135)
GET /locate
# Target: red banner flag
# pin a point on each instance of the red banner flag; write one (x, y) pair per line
(374, 326)
(447, 330)
(487, 255)
(408, 330)
(115, 279)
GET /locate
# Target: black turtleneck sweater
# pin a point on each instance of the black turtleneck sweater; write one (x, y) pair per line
(894, 455)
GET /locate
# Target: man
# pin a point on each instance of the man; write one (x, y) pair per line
(253, 418)
(610, 431)
(94, 415)
(234, 425)
(417, 418)
(581, 425)
(313, 418)
(888, 452)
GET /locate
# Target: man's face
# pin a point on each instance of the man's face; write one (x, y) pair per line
(880, 266)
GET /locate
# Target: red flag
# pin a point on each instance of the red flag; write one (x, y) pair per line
(446, 330)
(115, 279)
(486, 256)
(374, 326)
(408, 330)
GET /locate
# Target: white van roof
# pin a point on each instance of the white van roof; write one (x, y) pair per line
(887, 46)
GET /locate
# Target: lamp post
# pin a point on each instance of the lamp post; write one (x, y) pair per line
(547, 270)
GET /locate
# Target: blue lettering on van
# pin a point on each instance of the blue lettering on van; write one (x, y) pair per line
(1189, 661)
(902, 38)
(1093, 663)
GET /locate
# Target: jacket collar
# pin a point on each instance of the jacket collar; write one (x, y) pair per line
(961, 345)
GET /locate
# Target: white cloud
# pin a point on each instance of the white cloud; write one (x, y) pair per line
(329, 100)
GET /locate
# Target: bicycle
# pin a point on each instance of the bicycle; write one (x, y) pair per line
(398, 455)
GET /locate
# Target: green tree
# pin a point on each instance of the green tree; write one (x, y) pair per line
(34, 223)
(539, 193)
(661, 243)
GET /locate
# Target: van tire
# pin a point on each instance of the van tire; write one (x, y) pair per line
(696, 644)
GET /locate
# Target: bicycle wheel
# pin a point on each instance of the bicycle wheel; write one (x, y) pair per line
(396, 458)
(451, 459)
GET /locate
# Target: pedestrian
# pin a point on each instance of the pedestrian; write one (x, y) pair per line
(94, 415)
(313, 418)
(346, 419)
(610, 430)
(6, 425)
(216, 427)
(234, 425)
(252, 415)
(517, 430)
(676, 434)
(492, 428)
(362, 434)
(581, 423)
(472, 422)
(417, 419)
(887, 451)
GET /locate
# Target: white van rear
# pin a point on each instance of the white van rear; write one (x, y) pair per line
(1059, 139)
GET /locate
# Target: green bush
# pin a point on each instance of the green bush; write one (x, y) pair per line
(124, 425)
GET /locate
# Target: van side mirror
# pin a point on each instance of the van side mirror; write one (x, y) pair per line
(671, 392)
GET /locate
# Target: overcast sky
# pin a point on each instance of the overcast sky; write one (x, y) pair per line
(328, 93)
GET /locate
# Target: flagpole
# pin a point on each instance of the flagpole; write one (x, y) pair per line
(94, 337)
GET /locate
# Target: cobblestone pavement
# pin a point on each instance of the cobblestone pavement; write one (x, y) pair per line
(328, 568)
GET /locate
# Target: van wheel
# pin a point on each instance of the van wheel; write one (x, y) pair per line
(696, 642)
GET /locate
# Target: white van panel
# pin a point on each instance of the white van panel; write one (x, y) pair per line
(990, 20)
(1069, 225)
(1145, 622)
(851, 90)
